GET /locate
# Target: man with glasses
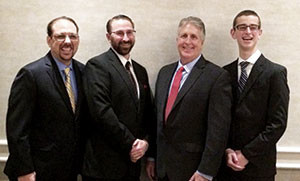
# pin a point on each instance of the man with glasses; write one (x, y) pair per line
(120, 103)
(261, 97)
(45, 111)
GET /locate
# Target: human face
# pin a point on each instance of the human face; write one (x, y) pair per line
(122, 36)
(63, 49)
(189, 43)
(247, 39)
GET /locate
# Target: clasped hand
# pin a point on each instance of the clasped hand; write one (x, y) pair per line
(138, 150)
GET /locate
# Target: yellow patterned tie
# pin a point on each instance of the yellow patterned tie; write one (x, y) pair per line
(69, 88)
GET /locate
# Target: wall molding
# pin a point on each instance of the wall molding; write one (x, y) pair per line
(287, 157)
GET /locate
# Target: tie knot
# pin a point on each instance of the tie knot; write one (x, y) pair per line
(67, 70)
(127, 65)
(181, 69)
(244, 64)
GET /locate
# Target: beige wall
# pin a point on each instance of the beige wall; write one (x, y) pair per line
(23, 36)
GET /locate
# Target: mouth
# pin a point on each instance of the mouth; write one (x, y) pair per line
(247, 38)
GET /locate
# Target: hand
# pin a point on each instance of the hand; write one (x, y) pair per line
(197, 177)
(235, 160)
(28, 177)
(138, 150)
(242, 159)
(150, 169)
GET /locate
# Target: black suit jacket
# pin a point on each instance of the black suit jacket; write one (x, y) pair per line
(195, 134)
(43, 133)
(259, 115)
(118, 116)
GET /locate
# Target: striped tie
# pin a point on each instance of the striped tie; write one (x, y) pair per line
(69, 88)
(243, 77)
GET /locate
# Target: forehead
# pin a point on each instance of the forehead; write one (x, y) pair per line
(189, 29)
(63, 26)
(251, 19)
(120, 24)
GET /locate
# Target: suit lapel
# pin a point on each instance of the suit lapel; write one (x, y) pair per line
(255, 72)
(124, 75)
(78, 79)
(194, 75)
(57, 80)
(165, 85)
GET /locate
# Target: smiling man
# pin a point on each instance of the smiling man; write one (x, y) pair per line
(120, 100)
(45, 111)
(193, 106)
(261, 97)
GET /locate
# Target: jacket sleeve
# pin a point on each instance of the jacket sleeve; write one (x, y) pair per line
(18, 124)
(218, 124)
(277, 112)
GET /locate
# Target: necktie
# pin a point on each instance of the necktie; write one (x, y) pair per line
(173, 92)
(69, 88)
(243, 77)
(127, 66)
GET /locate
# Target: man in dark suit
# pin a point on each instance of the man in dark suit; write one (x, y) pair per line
(119, 99)
(192, 123)
(43, 119)
(261, 97)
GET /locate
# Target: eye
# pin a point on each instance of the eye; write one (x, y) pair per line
(194, 37)
(183, 36)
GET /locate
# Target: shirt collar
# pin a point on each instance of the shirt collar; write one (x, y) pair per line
(189, 66)
(122, 58)
(61, 66)
(252, 59)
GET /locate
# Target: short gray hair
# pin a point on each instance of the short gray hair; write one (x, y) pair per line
(194, 21)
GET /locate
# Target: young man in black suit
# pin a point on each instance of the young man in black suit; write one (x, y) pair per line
(261, 97)
(45, 111)
(120, 102)
(193, 103)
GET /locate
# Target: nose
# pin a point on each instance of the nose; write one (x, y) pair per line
(67, 40)
(125, 37)
(248, 30)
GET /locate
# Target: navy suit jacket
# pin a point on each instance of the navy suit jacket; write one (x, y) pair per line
(196, 130)
(118, 116)
(259, 115)
(43, 133)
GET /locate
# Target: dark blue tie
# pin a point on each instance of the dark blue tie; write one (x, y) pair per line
(243, 77)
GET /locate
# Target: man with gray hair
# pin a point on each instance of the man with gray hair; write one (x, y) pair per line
(193, 104)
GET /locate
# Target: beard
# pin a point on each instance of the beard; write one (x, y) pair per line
(123, 48)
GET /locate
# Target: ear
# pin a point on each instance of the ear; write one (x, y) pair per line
(49, 41)
(259, 33)
(108, 37)
(232, 33)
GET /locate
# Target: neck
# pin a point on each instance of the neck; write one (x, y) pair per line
(245, 54)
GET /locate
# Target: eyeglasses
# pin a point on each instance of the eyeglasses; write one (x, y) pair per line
(120, 33)
(243, 27)
(62, 37)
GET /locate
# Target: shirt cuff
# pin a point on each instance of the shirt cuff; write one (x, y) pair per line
(208, 177)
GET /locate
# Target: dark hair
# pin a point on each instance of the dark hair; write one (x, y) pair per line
(246, 13)
(50, 24)
(117, 17)
(194, 21)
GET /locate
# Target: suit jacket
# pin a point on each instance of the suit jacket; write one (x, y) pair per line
(259, 115)
(118, 116)
(195, 134)
(43, 133)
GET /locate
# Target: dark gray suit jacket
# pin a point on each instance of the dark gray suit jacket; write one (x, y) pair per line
(259, 115)
(118, 116)
(195, 134)
(43, 133)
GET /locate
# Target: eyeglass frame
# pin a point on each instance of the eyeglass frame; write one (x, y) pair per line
(72, 37)
(120, 33)
(252, 27)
